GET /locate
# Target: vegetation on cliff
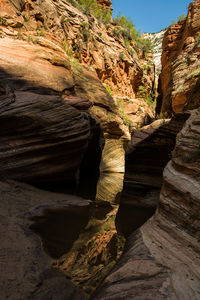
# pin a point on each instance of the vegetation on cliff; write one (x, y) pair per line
(91, 7)
(128, 31)
(125, 28)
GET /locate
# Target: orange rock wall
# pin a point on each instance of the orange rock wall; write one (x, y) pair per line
(82, 36)
(180, 74)
(105, 3)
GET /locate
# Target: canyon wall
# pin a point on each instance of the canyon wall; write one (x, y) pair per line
(179, 79)
(147, 154)
(56, 117)
(100, 44)
(161, 259)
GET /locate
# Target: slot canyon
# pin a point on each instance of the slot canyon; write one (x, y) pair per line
(99, 154)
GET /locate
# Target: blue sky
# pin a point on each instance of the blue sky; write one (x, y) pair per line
(150, 15)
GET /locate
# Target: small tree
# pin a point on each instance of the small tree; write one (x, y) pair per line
(181, 17)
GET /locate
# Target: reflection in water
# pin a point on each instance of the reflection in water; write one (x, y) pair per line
(99, 246)
(109, 187)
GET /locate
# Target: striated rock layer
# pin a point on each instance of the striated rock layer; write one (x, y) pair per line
(58, 24)
(44, 132)
(147, 154)
(179, 79)
(162, 258)
(51, 106)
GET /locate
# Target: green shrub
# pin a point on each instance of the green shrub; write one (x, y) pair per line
(127, 30)
(121, 55)
(108, 89)
(67, 48)
(40, 32)
(141, 91)
(197, 39)
(3, 21)
(75, 65)
(194, 73)
(124, 116)
(149, 98)
(91, 7)
(85, 32)
(179, 19)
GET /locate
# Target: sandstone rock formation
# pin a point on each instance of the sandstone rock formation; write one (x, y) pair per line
(58, 24)
(179, 80)
(161, 259)
(105, 3)
(50, 110)
(26, 271)
(147, 154)
(156, 39)
(53, 109)
(44, 131)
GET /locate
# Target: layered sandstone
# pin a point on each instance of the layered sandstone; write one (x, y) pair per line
(59, 24)
(179, 80)
(147, 154)
(45, 132)
(50, 110)
(161, 259)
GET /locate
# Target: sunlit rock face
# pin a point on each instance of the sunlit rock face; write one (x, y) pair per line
(179, 80)
(112, 167)
(105, 3)
(59, 24)
(162, 260)
(157, 39)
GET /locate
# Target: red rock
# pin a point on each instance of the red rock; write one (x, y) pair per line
(43, 138)
(105, 3)
(179, 79)
(161, 260)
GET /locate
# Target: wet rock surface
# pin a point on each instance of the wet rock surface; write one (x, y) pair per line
(56, 118)
(26, 271)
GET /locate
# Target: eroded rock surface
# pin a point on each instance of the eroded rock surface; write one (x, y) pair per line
(26, 271)
(105, 3)
(161, 259)
(43, 136)
(147, 154)
(179, 80)
(58, 24)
